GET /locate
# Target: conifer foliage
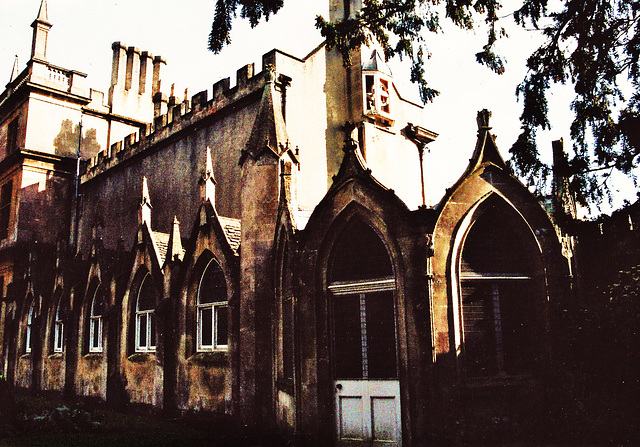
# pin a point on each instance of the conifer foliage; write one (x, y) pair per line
(594, 45)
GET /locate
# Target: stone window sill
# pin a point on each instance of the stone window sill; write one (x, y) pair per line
(211, 358)
(142, 357)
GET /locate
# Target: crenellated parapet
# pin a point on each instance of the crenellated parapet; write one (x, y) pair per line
(172, 116)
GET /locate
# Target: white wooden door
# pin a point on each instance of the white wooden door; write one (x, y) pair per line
(368, 413)
(367, 390)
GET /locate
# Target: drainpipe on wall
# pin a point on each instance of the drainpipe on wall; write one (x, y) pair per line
(76, 195)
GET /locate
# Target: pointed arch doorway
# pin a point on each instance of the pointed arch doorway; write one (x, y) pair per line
(362, 289)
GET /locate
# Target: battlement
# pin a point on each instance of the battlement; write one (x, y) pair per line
(173, 116)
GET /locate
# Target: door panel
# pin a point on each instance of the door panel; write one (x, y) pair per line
(368, 413)
(352, 418)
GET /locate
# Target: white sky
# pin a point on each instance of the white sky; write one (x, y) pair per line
(83, 32)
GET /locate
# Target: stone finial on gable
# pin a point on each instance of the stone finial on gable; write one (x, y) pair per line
(207, 180)
(145, 204)
(174, 249)
(350, 135)
(486, 150)
(483, 119)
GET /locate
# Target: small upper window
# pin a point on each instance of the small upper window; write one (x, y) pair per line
(145, 319)
(212, 310)
(377, 98)
(12, 136)
(6, 193)
(96, 322)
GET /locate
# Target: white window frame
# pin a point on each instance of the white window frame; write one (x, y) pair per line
(147, 316)
(29, 327)
(58, 331)
(95, 326)
(214, 307)
(379, 96)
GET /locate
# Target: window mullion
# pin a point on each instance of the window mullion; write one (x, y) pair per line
(363, 332)
(497, 322)
(149, 329)
(199, 327)
(149, 326)
(214, 328)
(100, 332)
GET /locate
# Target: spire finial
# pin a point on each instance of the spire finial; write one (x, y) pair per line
(207, 180)
(43, 15)
(41, 27)
(145, 204)
(174, 252)
(15, 71)
(483, 119)
(145, 191)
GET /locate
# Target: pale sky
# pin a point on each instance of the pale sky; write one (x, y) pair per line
(83, 32)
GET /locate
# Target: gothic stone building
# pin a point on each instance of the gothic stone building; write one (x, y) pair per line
(264, 252)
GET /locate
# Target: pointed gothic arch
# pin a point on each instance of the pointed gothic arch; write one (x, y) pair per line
(498, 288)
(94, 314)
(361, 272)
(140, 315)
(211, 307)
(56, 327)
(362, 286)
(32, 310)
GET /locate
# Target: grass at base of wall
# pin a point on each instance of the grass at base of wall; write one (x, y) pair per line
(53, 421)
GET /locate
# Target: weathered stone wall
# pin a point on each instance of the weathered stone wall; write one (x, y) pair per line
(144, 378)
(91, 376)
(20, 113)
(45, 128)
(24, 371)
(53, 370)
(209, 387)
(45, 201)
(172, 168)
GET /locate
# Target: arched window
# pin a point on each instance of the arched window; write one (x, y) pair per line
(145, 320)
(362, 286)
(31, 315)
(285, 309)
(96, 322)
(212, 310)
(58, 329)
(498, 288)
